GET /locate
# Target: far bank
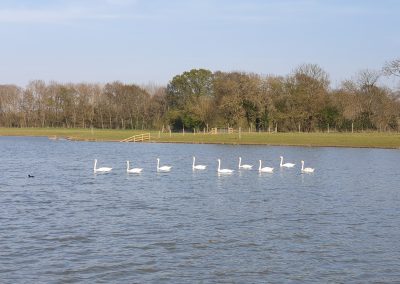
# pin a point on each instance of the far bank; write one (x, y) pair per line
(358, 140)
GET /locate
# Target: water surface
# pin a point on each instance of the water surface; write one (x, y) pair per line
(67, 224)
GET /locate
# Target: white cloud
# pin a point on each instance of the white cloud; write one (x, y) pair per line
(49, 16)
(66, 11)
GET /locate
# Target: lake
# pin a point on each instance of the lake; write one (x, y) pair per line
(340, 224)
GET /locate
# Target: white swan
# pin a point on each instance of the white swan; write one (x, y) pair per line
(163, 168)
(223, 171)
(100, 170)
(197, 167)
(265, 169)
(306, 170)
(134, 170)
(286, 165)
(246, 167)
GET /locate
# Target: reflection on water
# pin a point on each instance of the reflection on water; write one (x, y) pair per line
(68, 224)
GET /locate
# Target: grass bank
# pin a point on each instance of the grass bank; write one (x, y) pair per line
(370, 140)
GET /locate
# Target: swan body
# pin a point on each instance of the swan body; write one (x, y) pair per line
(163, 168)
(100, 170)
(246, 167)
(265, 169)
(198, 167)
(306, 170)
(133, 170)
(286, 165)
(223, 171)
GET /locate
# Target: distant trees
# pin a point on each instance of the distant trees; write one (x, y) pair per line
(195, 99)
(189, 99)
(114, 105)
(392, 68)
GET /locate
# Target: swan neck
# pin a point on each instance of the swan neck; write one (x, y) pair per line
(281, 161)
(260, 166)
(219, 165)
(127, 165)
(240, 161)
(193, 161)
(95, 164)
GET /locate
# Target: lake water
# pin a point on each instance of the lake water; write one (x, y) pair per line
(67, 224)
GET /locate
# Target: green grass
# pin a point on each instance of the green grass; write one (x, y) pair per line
(372, 140)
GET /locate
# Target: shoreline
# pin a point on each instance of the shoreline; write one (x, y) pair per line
(373, 140)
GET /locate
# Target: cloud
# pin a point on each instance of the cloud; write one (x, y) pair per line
(65, 12)
(48, 16)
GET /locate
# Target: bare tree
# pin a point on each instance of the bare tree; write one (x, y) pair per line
(392, 68)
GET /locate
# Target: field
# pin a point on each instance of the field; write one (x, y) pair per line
(371, 139)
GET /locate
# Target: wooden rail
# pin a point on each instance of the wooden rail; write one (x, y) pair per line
(137, 138)
(228, 130)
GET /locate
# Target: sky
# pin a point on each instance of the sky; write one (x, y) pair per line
(150, 41)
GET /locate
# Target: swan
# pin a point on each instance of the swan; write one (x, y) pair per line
(286, 165)
(306, 170)
(223, 171)
(163, 168)
(197, 167)
(246, 167)
(134, 170)
(265, 169)
(102, 169)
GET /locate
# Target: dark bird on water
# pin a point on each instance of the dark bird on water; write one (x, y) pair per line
(30, 176)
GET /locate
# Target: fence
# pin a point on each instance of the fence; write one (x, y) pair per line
(137, 138)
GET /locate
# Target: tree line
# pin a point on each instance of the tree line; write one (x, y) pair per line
(198, 99)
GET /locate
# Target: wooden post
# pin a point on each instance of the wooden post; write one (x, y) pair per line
(207, 127)
(183, 130)
(328, 127)
(159, 134)
(240, 133)
(276, 128)
(352, 127)
(299, 128)
(170, 134)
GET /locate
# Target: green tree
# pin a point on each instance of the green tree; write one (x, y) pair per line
(185, 93)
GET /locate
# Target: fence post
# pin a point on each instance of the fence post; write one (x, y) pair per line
(240, 133)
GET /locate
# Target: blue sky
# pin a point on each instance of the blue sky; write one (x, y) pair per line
(142, 41)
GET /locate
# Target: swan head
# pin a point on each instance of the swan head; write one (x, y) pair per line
(281, 157)
(302, 162)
